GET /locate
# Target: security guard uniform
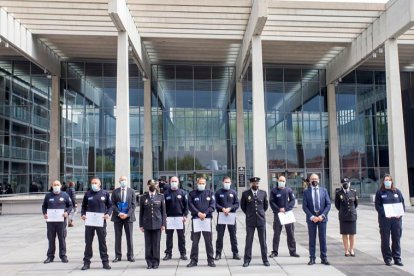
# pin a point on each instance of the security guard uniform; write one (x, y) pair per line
(226, 199)
(176, 202)
(152, 217)
(97, 202)
(204, 202)
(389, 226)
(255, 204)
(282, 198)
(56, 201)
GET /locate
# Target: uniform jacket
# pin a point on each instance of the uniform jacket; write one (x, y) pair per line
(227, 199)
(152, 214)
(324, 201)
(57, 201)
(387, 197)
(176, 202)
(98, 202)
(201, 201)
(281, 198)
(254, 207)
(130, 198)
(346, 203)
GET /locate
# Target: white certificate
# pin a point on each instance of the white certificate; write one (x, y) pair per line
(287, 217)
(94, 219)
(175, 223)
(55, 215)
(229, 219)
(202, 225)
(394, 210)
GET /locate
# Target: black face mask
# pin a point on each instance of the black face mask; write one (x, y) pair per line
(151, 188)
(255, 187)
(345, 185)
(314, 183)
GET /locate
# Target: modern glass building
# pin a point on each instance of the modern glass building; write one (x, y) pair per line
(153, 89)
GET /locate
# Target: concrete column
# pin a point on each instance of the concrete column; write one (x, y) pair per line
(122, 137)
(260, 167)
(334, 164)
(54, 142)
(396, 136)
(147, 166)
(241, 150)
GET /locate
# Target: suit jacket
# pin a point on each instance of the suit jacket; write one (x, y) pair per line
(254, 208)
(152, 213)
(324, 202)
(129, 198)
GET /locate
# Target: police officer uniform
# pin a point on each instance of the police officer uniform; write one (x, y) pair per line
(346, 202)
(176, 202)
(226, 199)
(56, 201)
(97, 202)
(255, 204)
(282, 198)
(389, 226)
(152, 217)
(204, 202)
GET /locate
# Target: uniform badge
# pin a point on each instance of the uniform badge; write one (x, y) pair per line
(395, 195)
(90, 198)
(102, 198)
(341, 196)
(249, 198)
(61, 199)
(146, 201)
(208, 198)
(168, 198)
(231, 195)
(52, 199)
(179, 196)
(221, 195)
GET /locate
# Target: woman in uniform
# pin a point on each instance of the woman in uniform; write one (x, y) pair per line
(346, 201)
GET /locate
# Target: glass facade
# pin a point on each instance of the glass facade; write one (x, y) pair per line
(194, 122)
(24, 127)
(88, 94)
(362, 129)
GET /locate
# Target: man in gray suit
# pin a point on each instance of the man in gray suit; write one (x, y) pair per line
(123, 216)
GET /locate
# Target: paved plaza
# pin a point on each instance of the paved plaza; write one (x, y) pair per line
(24, 245)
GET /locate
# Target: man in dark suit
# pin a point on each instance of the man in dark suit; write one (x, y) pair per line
(316, 205)
(254, 204)
(123, 216)
(152, 220)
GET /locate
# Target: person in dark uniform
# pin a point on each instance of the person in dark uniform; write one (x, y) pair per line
(316, 205)
(56, 199)
(123, 203)
(254, 204)
(152, 220)
(176, 202)
(227, 202)
(201, 203)
(389, 226)
(72, 194)
(282, 199)
(346, 202)
(98, 201)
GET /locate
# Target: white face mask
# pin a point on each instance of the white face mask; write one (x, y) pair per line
(281, 184)
(226, 186)
(95, 187)
(56, 189)
(201, 187)
(174, 185)
(123, 183)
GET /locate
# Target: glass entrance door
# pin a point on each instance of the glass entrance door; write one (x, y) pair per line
(294, 180)
(188, 179)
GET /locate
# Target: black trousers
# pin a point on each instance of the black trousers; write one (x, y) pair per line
(208, 240)
(221, 228)
(152, 246)
(290, 233)
(56, 229)
(128, 227)
(390, 227)
(89, 235)
(261, 231)
(181, 241)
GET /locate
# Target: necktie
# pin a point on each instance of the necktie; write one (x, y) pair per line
(123, 195)
(152, 197)
(316, 196)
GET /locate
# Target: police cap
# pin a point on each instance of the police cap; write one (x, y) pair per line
(255, 179)
(345, 180)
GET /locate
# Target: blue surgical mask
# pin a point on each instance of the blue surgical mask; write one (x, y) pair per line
(201, 187)
(281, 184)
(174, 185)
(123, 183)
(387, 184)
(56, 189)
(95, 187)
(226, 186)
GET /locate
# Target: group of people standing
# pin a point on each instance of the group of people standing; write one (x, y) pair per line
(168, 212)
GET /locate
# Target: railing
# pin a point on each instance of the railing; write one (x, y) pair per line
(23, 113)
(38, 155)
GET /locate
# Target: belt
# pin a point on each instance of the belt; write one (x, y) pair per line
(317, 212)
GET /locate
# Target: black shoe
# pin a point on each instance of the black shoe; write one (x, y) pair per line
(86, 266)
(236, 256)
(274, 254)
(64, 259)
(266, 263)
(131, 259)
(149, 266)
(399, 263)
(311, 262)
(106, 266)
(183, 257)
(325, 262)
(388, 263)
(48, 260)
(218, 256)
(167, 257)
(154, 266)
(246, 264)
(117, 259)
(294, 255)
(192, 263)
(211, 264)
